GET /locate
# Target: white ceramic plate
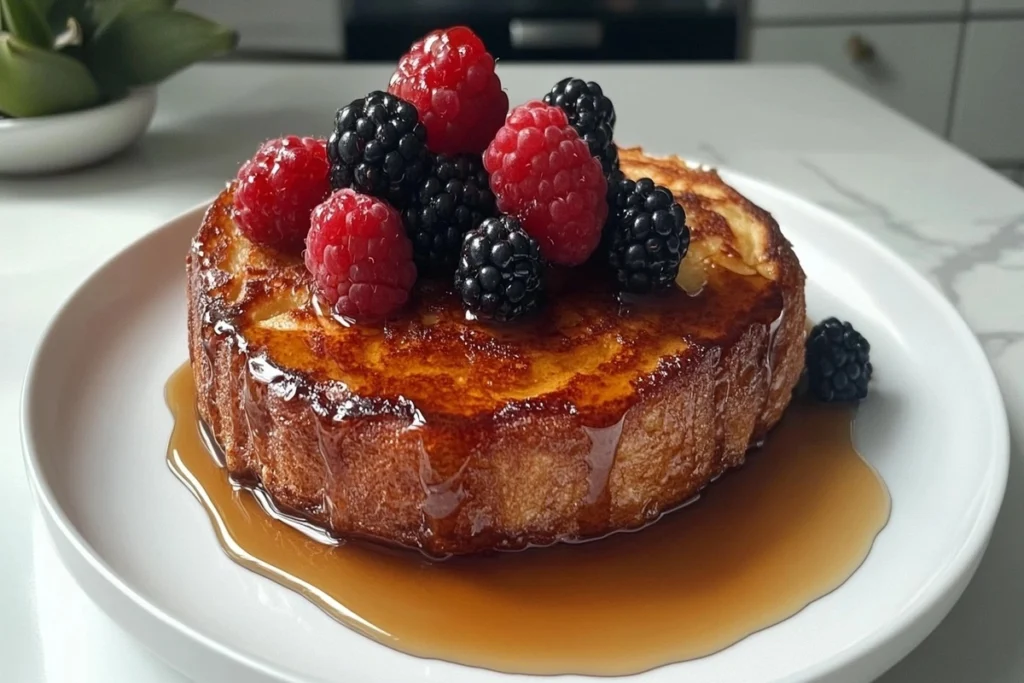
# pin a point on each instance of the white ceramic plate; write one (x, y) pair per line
(96, 428)
(49, 144)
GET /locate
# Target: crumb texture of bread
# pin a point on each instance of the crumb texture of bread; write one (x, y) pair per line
(433, 432)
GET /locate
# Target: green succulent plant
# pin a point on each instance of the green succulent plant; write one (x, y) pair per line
(64, 55)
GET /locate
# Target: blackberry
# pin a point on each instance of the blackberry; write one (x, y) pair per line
(838, 362)
(592, 114)
(614, 196)
(646, 236)
(500, 274)
(378, 147)
(453, 199)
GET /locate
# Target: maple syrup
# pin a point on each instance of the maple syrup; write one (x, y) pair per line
(760, 544)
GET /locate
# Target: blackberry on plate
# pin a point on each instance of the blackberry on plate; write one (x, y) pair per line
(591, 113)
(500, 274)
(838, 362)
(453, 199)
(646, 236)
(378, 147)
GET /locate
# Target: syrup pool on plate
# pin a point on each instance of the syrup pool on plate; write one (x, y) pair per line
(788, 527)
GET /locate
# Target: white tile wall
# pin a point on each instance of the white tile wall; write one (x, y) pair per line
(804, 10)
(988, 114)
(976, 58)
(986, 6)
(911, 68)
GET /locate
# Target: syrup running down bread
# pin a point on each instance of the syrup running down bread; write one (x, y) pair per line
(452, 436)
(788, 527)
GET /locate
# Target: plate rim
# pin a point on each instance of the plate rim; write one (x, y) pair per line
(55, 516)
(951, 580)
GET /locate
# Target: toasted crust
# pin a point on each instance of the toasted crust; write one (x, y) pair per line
(452, 437)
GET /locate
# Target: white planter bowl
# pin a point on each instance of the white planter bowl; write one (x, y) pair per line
(48, 144)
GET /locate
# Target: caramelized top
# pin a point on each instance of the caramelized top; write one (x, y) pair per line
(588, 350)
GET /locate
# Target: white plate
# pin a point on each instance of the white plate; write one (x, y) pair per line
(49, 144)
(96, 428)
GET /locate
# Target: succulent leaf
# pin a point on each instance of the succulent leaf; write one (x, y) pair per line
(43, 6)
(37, 82)
(104, 11)
(140, 48)
(24, 20)
(59, 11)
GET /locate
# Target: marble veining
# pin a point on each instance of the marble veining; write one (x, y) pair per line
(1003, 241)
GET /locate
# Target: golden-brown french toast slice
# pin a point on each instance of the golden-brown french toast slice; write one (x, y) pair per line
(598, 413)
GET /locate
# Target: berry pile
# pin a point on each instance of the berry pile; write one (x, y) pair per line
(437, 178)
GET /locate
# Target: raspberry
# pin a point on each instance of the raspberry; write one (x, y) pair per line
(278, 188)
(360, 256)
(542, 172)
(449, 77)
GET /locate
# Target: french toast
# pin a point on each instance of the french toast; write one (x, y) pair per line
(598, 413)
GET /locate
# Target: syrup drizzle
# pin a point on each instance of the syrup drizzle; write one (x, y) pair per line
(787, 528)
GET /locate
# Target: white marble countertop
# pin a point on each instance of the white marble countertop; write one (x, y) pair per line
(797, 127)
